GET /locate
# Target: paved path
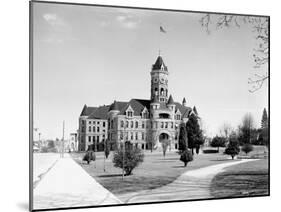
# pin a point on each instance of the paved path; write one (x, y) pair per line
(67, 185)
(193, 184)
(42, 162)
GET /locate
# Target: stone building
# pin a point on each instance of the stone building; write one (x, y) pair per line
(144, 122)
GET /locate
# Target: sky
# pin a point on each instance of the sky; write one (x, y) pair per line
(95, 55)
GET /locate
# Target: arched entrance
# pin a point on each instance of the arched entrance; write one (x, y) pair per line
(160, 137)
(163, 137)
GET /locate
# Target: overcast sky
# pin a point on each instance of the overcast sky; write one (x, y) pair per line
(95, 55)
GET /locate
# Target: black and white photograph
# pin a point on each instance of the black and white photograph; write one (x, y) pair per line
(133, 105)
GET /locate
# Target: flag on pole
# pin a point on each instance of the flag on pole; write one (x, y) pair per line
(162, 29)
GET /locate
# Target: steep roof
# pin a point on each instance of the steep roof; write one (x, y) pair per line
(137, 105)
(100, 112)
(113, 106)
(87, 110)
(158, 63)
(183, 109)
(170, 100)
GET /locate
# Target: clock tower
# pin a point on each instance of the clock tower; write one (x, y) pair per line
(159, 81)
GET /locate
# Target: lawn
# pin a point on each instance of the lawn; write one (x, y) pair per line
(247, 179)
(154, 172)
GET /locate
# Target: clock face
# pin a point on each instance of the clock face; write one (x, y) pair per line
(155, 80)
(162, 80)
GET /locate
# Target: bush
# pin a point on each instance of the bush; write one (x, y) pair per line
(210, 151)
(186, 156)
(232, 148)
(247, 148)
(218, 142)
(90, 155)
(132, 158)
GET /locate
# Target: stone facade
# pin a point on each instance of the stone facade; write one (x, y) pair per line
(144, 122)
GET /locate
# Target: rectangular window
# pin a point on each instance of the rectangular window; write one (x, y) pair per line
(94, 138)
(83, 121)
(172, 125)
(94, 122)
(90, 128)
(132, 136)
(90, 122)
(162, 124)
(137, 136)
(83, 129)
(166, 124)
(103, 124)
(98, 129)
(94, 129)
(142, 136)
(132, 124)
(142, 125)
(98, 122)
(89, 138)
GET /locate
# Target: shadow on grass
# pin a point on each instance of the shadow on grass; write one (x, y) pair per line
(165, 160)
(110, 175)
(223, 159)
(179, 166)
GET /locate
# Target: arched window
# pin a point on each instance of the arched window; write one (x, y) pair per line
(132, 124)
(162, 91)
(156, 91)
(137, 124)
(127, 124)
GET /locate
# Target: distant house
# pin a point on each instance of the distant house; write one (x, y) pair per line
(144, 122)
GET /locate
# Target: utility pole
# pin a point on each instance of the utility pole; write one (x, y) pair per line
(62, 142)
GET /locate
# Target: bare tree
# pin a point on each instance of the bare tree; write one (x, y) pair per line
(226, 130)
(260, 25)
(246, 128)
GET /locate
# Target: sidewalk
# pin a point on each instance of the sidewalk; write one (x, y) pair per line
(68, 185)
(193, 184)
(42, 162)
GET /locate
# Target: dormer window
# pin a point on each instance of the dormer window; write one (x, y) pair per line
(129, 112)
(178, 115)
(144, 113)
